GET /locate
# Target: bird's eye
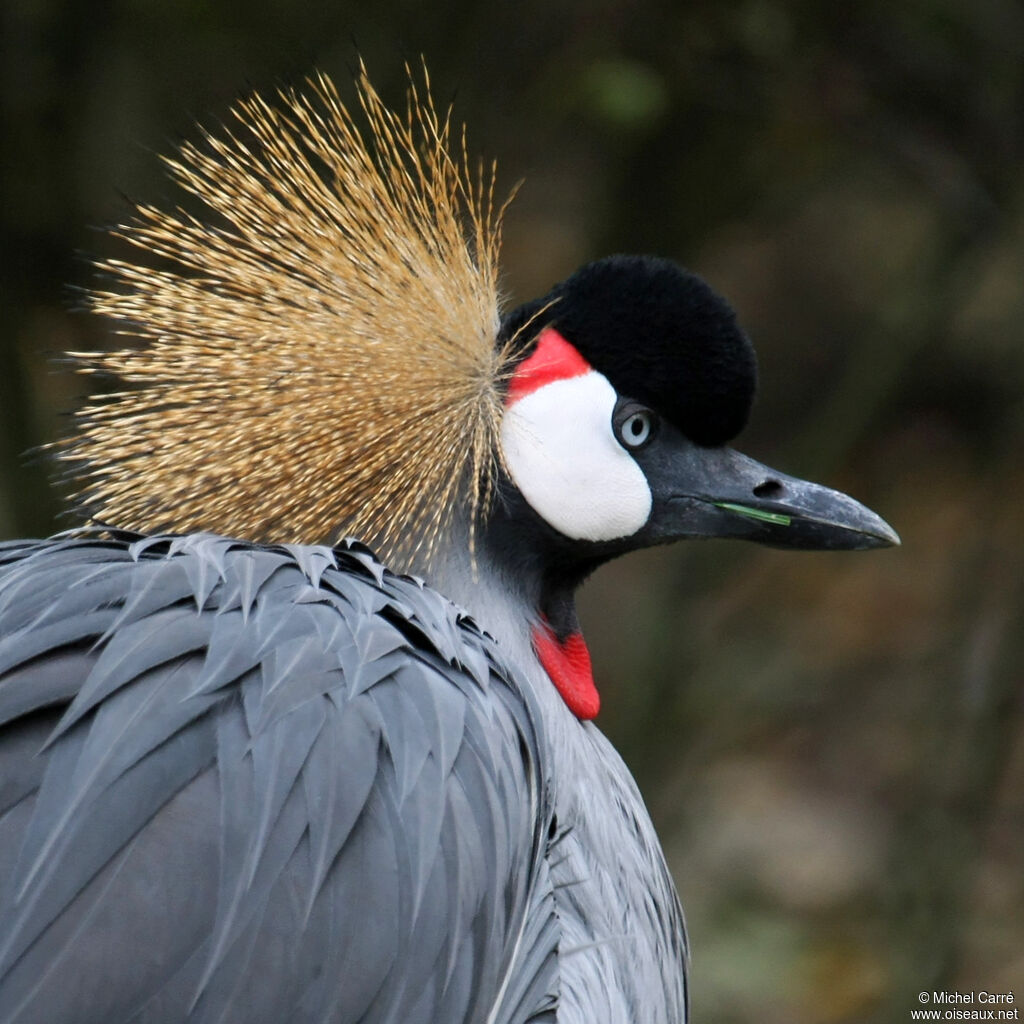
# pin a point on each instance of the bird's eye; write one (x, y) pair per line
(636, 427)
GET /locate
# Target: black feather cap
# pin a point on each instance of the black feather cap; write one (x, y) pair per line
(660, 334)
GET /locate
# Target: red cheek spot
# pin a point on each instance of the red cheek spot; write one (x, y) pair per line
(567, 663)
(553, 359)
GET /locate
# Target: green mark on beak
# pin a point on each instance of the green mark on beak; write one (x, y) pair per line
(755, 513)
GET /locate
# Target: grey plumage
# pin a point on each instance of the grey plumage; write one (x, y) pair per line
(250, 783)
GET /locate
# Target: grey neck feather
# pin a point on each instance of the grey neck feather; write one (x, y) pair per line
(623, 949)
(503, 602)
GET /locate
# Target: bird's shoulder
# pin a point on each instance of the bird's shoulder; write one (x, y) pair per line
(331, 767)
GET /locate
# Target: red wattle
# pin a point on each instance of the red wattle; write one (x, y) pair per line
(567, 663)
(553, 359)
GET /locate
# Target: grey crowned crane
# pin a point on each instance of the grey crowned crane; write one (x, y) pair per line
(248, 772)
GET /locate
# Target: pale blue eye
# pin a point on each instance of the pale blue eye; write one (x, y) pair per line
(636, 429)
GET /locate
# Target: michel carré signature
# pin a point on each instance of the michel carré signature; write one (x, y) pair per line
(969, 998)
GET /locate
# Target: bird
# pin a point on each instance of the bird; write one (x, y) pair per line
(298, 723)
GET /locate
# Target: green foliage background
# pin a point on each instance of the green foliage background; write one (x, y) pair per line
(831, 744)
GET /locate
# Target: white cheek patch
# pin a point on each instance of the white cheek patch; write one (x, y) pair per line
(563, 456)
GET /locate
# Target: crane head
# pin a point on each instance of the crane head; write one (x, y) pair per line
(634, 378)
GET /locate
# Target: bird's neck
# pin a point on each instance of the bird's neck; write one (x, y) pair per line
(527, 603)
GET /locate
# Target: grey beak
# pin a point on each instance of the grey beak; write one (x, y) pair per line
(718, 492)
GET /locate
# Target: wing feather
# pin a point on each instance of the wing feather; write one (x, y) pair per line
(248, 783)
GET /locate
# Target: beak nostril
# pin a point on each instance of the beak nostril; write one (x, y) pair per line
(768, 489)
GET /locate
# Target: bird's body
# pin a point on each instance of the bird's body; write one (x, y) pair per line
(248, 747)
(284, 784)
(251, 774)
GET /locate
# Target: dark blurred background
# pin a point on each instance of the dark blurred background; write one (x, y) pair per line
(831, 744)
